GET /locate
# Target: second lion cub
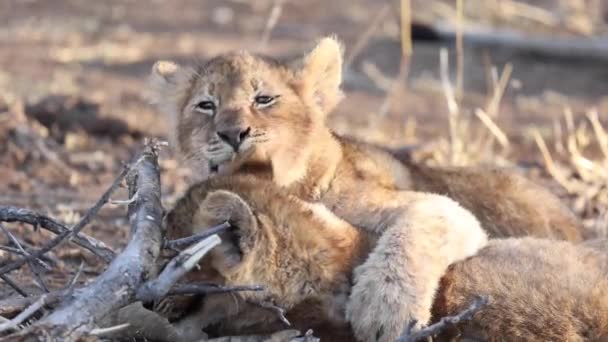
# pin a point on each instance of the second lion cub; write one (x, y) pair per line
(302, 254)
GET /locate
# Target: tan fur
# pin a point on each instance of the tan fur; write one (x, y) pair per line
(540, 290)
(301, 253)
(506, 203)
(289, 143)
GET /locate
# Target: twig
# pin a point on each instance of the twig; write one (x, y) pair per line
(367, 34)
(459, 49)
(109, 330)
(186, 289)
(11, 250)
(73, 232)
(175, 269)
(12, 306)
(88, 216)
(173, 244)
(278, 310)
(12, 284)
(438, 327)
(13, 214)
(27, 255)
(273, 18)
(14, 323)
(595, 48)
(404, 63)
(116, 287)
(124, 202)
(72, 282)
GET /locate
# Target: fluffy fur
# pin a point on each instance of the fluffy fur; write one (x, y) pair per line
(540, 290)
(289, 143)
(301, 253)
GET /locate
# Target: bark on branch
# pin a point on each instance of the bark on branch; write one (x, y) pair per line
(14, 214)
(117, 286)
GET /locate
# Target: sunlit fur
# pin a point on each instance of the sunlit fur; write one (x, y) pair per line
(363, 185)
(539, 290)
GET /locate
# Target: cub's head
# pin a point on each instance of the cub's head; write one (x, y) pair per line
(241, 108)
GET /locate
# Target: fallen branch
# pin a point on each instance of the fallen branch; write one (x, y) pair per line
(180, 265)
(438, 327)
(174, 244)
(13, 306)
(583, 48)
(31, 262)
(14, 214)
(116, 287)
(25, 314)
(13, 285)
(188, 289)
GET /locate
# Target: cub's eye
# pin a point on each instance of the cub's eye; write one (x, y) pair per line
(207, 107)
(264, 100)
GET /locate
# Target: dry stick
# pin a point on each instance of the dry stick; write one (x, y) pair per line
(378, 19)
(12, 306)
(12, 284)
(406, 53)
(14, 323)
(116, 287)
(69, 233)
(278, 310)
(109, 330)
(186, 289)
(595, 48)
(30, 263)
(14, 214)
(443, 323)
(273, 18)
(453, 110)
(173, 244)
(175, 269)
(459, 49)
(11, 250)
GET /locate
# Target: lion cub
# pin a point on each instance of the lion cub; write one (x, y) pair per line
(541, 290)
(241, 113)
(305, 257)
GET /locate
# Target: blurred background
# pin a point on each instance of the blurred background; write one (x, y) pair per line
(521, 84)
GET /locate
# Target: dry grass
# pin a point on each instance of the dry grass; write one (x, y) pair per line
(575, 166)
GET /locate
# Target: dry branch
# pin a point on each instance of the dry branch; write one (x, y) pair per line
(185, 289)
(12, 284)
(557, 47)
(25, 314)
(173, 244)
(175, 269)
(14, 214)
(443, 323)
(116, 287)
(31, 262)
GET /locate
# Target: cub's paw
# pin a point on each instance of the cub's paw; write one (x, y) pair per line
(224, 206)
(382, 303)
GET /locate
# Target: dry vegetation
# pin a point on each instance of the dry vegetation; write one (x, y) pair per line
(72, 110)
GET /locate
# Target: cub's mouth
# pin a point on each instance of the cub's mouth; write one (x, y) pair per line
(230, 162)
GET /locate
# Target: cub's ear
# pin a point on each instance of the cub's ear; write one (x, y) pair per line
(320, 73)
(164, 79)
(168, 87)
(225, 206)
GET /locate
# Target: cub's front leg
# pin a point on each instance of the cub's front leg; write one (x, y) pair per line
(398, 281)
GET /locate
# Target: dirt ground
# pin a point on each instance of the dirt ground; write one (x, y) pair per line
(72, 81)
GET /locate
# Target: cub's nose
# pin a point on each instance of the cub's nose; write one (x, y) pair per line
(234, 137)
